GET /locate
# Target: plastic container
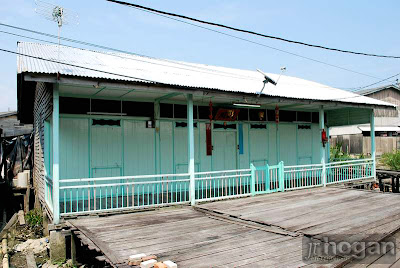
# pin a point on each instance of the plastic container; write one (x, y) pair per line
(22, 180)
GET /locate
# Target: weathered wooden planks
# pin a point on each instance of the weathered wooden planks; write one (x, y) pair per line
(247, 232)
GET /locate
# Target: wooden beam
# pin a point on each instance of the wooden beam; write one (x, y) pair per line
(168, 96)
(264, 99)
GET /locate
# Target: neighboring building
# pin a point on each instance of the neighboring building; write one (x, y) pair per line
(355, 139)
(119, 131)
(10, 125)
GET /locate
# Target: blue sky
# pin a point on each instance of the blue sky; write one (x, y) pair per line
(368, 26)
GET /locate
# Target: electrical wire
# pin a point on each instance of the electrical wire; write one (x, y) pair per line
(250, 32)
(116, 74)
(119, 56)
(179, 63)
(260, 44)
(79, 66)
(383, 80)
(210, 71)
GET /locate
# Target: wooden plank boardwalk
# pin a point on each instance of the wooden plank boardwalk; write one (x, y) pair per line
(261, 231)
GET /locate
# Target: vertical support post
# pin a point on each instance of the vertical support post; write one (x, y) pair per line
(281, 176)
(328, 147)
(157, 136)
(322, 149)
(372, 133)
(56, 154)
(192, 193)
(253, 180)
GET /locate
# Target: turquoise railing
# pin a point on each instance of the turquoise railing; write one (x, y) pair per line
(130, 192)
(215, 185)
(338, 172)
(267, 179)
(303, 176)
(48, 192)
(118, 193)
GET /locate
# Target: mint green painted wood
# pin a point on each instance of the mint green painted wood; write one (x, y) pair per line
(166, 147)
(139, 151)
(244, 159)
(190, 141)
(204, 160)
(304, 146)
(259, 147)
(315, 143)
(56, 154)
(272, 144)
(74, 148)
(287, 144)
(253, 181)
(224, 153)
(106, 155)
(267, 179)
(322, 148)
(372, 128)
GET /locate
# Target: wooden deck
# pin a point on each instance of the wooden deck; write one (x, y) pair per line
(261, 231)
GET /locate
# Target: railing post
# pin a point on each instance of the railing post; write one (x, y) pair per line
(253, 179)
(281, 176)
(372, 134)
(56, 155)
(192, 191)
(322, 148)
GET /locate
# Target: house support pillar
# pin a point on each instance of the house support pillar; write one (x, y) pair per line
(322, 148)
(56, 154)
(157, 136)
(190, 148)
(328, 147)
(372, 134)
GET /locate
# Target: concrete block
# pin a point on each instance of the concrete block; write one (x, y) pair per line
(160, 265)
(136, 259)
(150, 257)
(57, 246)
(170, 264)
(137, 256)
(148, 264)
(45, 224)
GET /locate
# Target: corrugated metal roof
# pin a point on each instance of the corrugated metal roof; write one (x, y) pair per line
(344, 130)
(383, 128)
(174, 73)
(368, 91)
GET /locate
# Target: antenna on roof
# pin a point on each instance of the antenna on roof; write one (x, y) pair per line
(57, 14)
(266, 81)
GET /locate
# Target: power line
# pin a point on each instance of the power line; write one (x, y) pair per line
(383, 80)
(210, 71)
(121, 75)
(79, 66)
(251, 32)
(131, 53)
(260, 44)
(55, 43)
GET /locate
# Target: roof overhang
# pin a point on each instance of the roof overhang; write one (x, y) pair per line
(226, 96)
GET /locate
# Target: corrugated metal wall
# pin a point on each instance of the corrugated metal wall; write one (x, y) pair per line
(42, 111)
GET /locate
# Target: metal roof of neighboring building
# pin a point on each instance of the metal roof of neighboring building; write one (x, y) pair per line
(368, 91)
(383, 128)
(8, 113)
(127, 67)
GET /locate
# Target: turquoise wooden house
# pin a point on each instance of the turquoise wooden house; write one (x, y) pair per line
(119, 131)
